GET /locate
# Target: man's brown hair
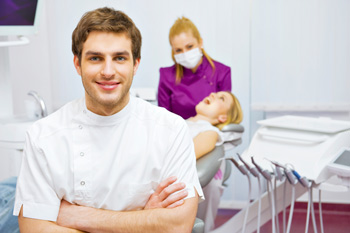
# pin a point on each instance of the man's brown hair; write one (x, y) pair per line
(106, 20)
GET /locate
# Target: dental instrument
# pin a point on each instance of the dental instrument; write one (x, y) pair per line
(268, 176)
(294, 177)
(293, 181)
(307, 184)
(264, 172)
(254, 171)
(241, 167)
(279, 175)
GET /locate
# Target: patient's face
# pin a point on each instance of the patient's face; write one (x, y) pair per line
(215, 104)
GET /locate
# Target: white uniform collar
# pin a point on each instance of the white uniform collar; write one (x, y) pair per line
(94, 118)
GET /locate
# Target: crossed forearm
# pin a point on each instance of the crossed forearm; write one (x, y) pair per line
(165, 211)
(30, 225)
(179, 219)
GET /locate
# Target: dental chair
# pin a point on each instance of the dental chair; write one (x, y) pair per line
(209, 164)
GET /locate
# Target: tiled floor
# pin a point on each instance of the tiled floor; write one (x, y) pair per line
(336, 218)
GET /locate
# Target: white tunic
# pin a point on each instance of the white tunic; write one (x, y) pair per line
(109, 162)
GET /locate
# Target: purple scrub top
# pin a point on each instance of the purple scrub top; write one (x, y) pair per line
(182, 98)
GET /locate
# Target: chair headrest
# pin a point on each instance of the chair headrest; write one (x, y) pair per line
(232, 135)
(233, 128)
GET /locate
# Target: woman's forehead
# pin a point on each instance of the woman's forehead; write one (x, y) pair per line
(183, 36)
(227, 95)
(224, 93)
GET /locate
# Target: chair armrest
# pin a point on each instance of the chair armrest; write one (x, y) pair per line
(198, 226)
(209, 164)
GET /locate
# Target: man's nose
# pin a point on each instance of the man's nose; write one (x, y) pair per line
(108, 69)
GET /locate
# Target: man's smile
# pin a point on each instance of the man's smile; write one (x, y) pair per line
(108, 85)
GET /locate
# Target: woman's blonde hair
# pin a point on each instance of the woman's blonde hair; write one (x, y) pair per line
(234, 114)
(181, 25)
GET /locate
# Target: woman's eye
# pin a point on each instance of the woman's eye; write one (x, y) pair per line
(222, 98)
(190, 46)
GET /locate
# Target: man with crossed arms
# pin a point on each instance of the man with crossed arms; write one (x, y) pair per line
(108, 162)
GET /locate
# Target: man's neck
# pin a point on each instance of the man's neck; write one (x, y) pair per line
(106, 110)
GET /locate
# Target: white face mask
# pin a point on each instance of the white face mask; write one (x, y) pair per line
(189, 59)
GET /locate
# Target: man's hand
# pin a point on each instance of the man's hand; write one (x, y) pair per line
(165, 196)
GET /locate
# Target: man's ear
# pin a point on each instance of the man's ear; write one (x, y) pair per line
(222, 118)
(77, 64)
(136, 65)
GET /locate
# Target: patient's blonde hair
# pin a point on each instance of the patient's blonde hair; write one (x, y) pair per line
(234, 114)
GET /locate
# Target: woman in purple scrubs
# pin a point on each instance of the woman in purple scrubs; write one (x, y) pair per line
(193, 76)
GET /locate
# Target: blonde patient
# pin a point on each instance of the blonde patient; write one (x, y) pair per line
(212, 114)
(217, 109)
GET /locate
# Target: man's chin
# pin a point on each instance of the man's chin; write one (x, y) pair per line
(112, 101)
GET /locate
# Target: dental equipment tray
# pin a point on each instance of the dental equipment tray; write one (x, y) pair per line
(307, 143)
(340, 165)
(321, 125)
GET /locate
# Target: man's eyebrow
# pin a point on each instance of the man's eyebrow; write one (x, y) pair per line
(88, 53)
(118, 53)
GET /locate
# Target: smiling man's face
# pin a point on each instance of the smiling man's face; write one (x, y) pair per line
(107, 70)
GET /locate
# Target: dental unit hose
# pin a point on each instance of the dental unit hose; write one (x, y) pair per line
(279, 176)
(241, 167)
(267, 175)
(276, 213)
(293, 181)
(307, 184)
(254, 171)
(320, 210)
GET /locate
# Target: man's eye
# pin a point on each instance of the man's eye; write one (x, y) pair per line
(94, 59)
(120, 58)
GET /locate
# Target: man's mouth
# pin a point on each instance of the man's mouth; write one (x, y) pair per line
(108, 85)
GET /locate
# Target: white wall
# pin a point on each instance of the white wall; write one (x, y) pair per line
(301, 53)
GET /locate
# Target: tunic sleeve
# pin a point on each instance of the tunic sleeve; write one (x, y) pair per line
(35, 191)
(181, 160)
(164, 91)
